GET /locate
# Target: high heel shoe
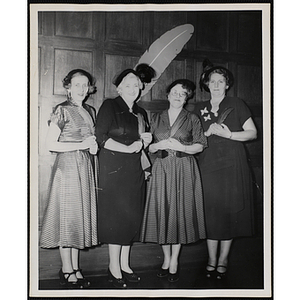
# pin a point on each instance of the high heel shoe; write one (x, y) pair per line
(117, 282)
(173, 277)
(210, 273)
(83, 281)
(221, 275)
(162, 272)
(65, 282)
(131, 277)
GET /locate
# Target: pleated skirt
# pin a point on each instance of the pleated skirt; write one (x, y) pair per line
(70, 218)
(174, 206)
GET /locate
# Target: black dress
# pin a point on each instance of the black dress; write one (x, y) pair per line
(226, 177)
(122, 180)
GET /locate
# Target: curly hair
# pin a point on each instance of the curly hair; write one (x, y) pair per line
(186, 84)
(79, 72)
(205, 77)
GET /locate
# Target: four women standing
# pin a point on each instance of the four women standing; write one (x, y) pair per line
(175, 212)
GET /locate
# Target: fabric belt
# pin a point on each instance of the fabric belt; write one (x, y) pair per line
(164, 153)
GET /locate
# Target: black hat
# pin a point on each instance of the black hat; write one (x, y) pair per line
(208, 67)
(142, 71)
(119, 77)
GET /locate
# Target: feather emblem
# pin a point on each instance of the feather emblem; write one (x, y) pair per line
(164, 50)
(224, 114)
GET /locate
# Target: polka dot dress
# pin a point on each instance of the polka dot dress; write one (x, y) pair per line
(174, 205)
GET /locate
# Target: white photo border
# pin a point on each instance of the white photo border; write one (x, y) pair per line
(265, 8)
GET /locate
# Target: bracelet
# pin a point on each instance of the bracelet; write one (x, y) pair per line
(230, 135)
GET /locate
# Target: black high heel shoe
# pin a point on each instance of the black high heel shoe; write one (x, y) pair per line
(117, 282)
(131, 277)
(210, 273)
(221, 275)
(162, 272)
(173, 277)
(65, 282)
(83, 281)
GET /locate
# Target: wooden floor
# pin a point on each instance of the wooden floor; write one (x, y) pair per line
(245, 268)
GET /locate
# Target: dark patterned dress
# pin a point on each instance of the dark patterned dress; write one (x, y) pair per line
(70, 214)
(226, 177)
(122, 179)
(174, 206)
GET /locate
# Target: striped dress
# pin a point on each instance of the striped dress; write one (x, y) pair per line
(70, 215)
(174, 205)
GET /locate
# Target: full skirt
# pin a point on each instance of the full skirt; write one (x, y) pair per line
(174, 207)
(70, 215)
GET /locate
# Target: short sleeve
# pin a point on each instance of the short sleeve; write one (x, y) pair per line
(244, 112)
(58, 117)
(197, 130)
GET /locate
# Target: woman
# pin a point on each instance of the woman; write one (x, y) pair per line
(70, 216)
(174, 207)
(121, 180)
(225, 174)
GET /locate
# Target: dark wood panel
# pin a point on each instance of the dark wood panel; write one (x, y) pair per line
(249, 32)
(48, 21)
(74, 24)
(67, 60)
(40, 21)
(248, 82)
(126, 27)
(212, 31)
(165, 21)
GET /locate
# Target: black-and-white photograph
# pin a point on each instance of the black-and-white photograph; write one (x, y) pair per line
(150, 145)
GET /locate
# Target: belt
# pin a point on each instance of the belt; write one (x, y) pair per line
(164, 153)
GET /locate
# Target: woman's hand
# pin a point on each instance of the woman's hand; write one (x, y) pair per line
(136, 146)
(147, 138)
(162, 145)
(89, 142)
(176, 145)
(208, 132)
(93, 149)
(220, 130)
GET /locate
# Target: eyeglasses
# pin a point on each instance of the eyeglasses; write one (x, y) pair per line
(176, 94)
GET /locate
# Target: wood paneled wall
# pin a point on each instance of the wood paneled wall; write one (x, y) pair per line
(105, 43)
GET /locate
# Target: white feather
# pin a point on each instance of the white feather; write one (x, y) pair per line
(164, 50)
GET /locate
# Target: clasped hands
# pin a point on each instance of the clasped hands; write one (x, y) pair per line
(146, 138)
(218, 129)
(171, 144)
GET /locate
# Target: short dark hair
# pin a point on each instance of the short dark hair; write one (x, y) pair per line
(79, 72)
(188, 85)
